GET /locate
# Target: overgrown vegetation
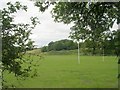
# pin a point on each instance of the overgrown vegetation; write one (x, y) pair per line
(15, 41)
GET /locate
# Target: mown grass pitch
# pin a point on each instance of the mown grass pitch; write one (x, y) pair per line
(63, 71)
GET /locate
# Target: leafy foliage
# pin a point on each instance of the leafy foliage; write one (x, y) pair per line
(95, 18)
(90, 20)
(43, 5)
(15, 39)
(60, 45)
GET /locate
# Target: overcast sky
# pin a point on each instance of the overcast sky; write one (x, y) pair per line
(47, 30)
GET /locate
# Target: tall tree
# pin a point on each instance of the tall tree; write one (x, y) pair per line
(98, 17)
(15, 39)
(93, 19)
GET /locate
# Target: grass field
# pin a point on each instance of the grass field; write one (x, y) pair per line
(63, 71)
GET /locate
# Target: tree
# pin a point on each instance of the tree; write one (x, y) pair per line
(60, 45)
(15, 39)
(51, 46)
(92, 20)
(44, 49)
(97, 17)
(93, 17)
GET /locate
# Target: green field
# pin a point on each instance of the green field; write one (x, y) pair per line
(63, 71)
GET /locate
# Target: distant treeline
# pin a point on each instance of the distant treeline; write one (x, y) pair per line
(86, 47)
(60, 45)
